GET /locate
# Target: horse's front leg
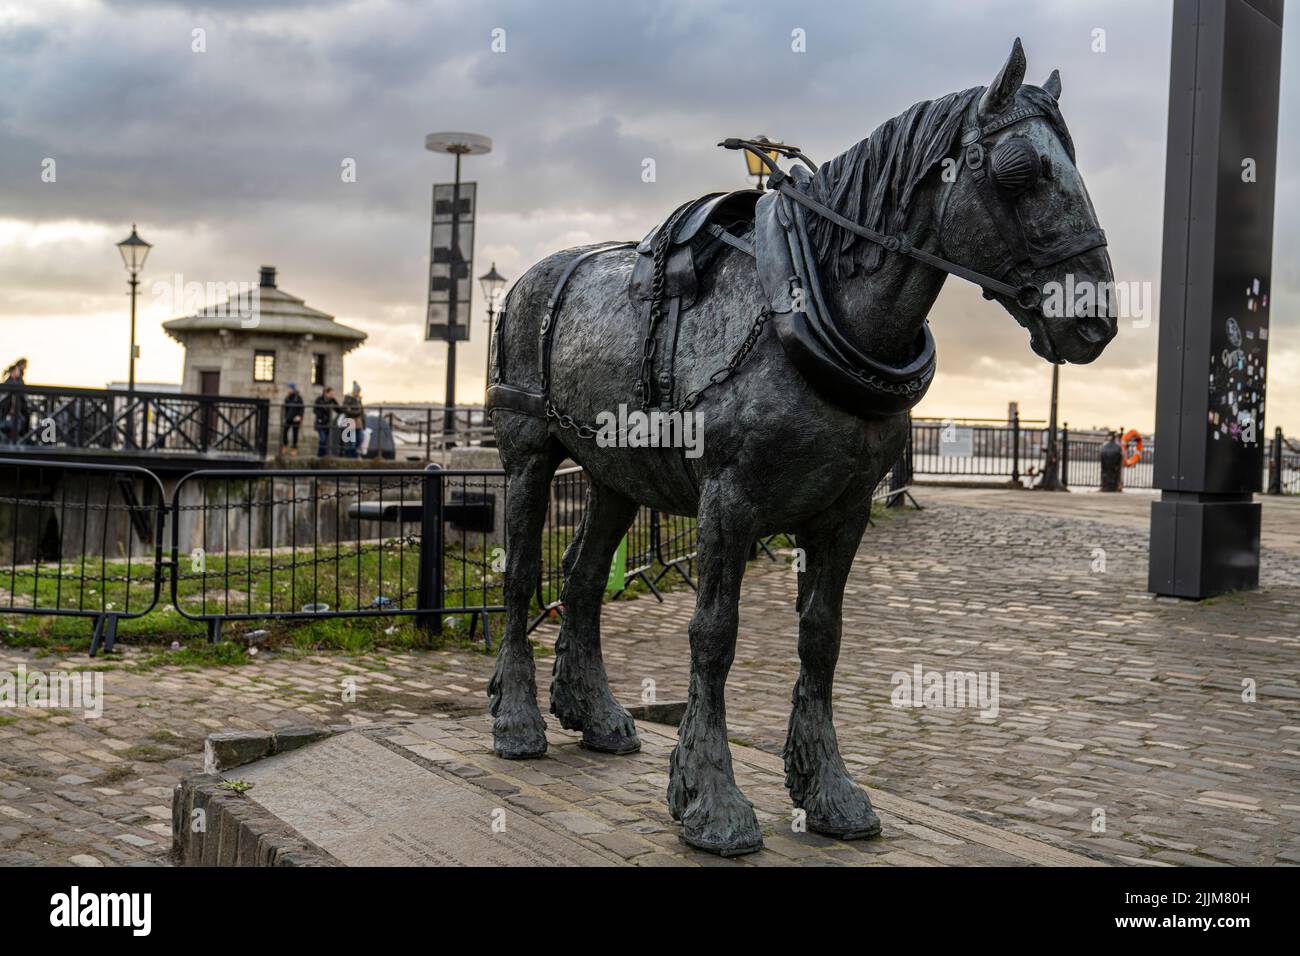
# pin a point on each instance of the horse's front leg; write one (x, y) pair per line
(815, 773)
(702, 791)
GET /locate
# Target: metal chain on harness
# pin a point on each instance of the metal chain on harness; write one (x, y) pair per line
(724, 373)
(585, 430)
(569, 422)
(658, 279)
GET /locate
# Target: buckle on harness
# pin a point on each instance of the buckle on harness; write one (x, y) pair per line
(1029, 297)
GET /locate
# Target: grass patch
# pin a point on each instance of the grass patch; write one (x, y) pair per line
(375, 576)
(115, 775)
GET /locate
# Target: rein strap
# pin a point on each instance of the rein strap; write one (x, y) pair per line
(902, 246)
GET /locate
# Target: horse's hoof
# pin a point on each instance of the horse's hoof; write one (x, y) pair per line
(843, 810)
(606, 727)
(616, 743)
(721, 848)
(522, 741)
(725, 825)
(613, 733)
(866, 826)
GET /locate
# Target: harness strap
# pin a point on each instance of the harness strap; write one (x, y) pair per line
(735, 242)
(500, 395)
(546, 332)
(1028, 296)
(895, 243)
(513, 398)
(1012, 236)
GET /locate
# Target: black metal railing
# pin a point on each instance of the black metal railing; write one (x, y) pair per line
(1081, 460)
(40, 419)
(80, 540)
(298, 544)
(304, 544)
(975, 448)
(1282, 465)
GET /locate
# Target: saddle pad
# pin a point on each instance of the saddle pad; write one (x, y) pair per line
(692, 247)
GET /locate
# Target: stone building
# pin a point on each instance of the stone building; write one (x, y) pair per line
(253, 346)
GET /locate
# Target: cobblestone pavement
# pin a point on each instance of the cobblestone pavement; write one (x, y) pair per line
(1114, 707)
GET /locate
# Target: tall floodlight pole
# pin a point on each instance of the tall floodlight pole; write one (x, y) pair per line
(458, 145)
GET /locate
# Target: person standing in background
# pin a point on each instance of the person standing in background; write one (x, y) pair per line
(354, 412)
(293, 407)
(13, 405)
(325, 410)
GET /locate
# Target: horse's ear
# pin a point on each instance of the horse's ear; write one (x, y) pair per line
(1052, 87)
(1002, 92)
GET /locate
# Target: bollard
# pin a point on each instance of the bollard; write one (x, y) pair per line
(429, 594)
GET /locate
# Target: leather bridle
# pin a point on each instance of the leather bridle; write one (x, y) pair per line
(994, 199)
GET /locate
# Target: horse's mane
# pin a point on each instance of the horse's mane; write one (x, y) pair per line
(872, 183)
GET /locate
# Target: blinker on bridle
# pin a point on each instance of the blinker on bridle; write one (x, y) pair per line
(1015, 168)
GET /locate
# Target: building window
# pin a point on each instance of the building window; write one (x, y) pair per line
(263, 366)
(318, 369)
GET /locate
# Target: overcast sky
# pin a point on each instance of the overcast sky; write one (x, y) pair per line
(231, 158)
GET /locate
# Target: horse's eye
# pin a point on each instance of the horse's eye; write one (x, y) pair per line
(1047, 167)
(1015, 165)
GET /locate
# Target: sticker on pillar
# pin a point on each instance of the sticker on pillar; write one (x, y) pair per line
(1237, 376)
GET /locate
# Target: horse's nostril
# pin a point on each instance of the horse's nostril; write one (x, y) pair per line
(1096, 330)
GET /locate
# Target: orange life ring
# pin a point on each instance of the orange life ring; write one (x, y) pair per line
(1134, 436)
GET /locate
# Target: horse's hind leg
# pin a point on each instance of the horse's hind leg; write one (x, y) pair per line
(815, 773)
(530, 456)
(702, 791)
(580, 694)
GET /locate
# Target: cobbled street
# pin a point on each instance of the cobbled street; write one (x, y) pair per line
(1127, 728)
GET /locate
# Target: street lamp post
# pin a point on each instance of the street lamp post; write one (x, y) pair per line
(755, 166)
(458, 145)
(134, 251)
(492, 282)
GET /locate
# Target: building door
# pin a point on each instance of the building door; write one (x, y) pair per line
(209, 384)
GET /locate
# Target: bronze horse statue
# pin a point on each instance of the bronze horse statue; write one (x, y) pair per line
(793, 324)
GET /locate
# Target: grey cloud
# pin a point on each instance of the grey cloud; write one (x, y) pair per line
(243, 143)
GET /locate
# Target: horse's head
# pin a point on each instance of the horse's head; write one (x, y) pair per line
(1018, 210)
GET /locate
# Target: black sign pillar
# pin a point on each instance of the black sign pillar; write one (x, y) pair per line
(1220, 177)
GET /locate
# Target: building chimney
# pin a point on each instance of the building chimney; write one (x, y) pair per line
(268, 277)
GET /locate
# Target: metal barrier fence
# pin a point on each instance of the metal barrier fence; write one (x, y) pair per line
(80, 541)
(288, 544)
(657, 543)
(295, 544)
